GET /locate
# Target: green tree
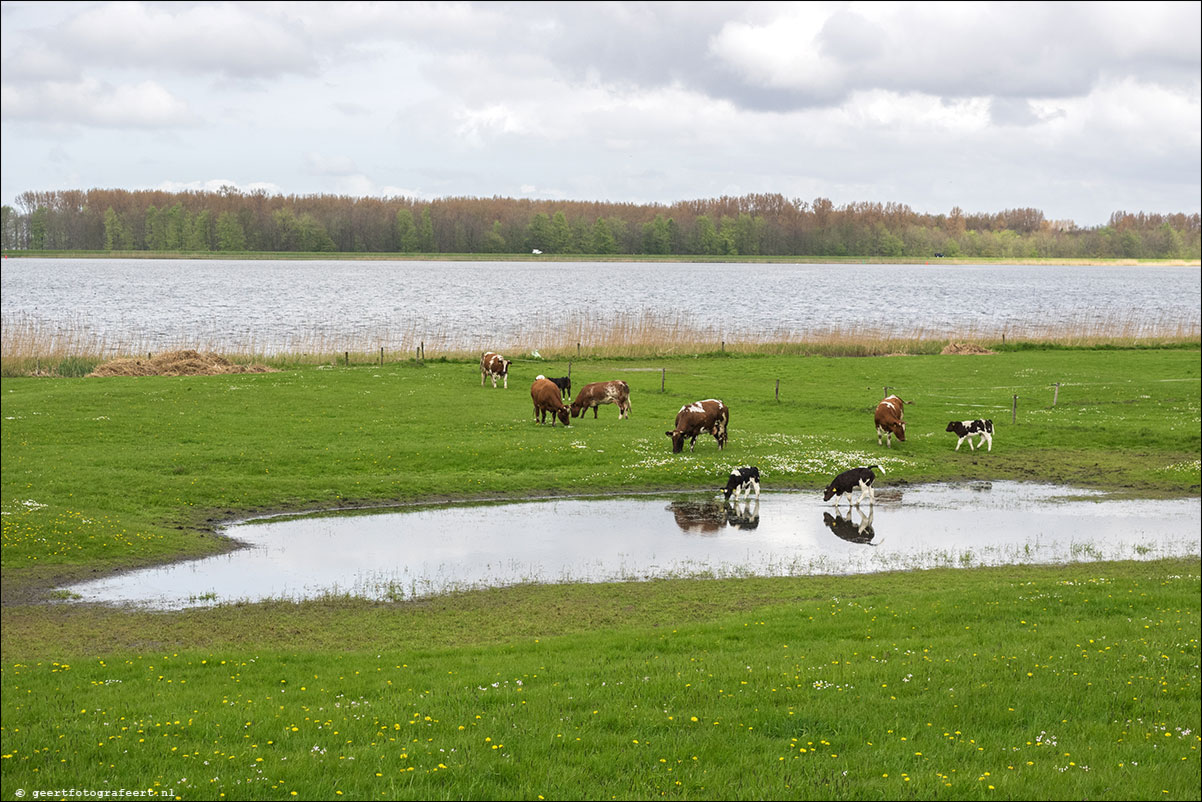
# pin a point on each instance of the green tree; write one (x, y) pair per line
(425, 234)
(230, 234)
(603, 240)
(116, 234)
(38, 228)
(561, 234)
(406, 231)
(657, 238)
(708, 241)
(196, 237)
(494, 240)
(311, 236)
(538, 233)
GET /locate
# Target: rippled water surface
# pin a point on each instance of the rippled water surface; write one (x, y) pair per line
(288, 305)
(397, 555)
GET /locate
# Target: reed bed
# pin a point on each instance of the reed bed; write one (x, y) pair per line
(30, 345)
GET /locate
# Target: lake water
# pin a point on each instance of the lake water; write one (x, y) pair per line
(274, 306)
(402, 555)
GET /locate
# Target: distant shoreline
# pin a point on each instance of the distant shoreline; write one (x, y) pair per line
(576, 257)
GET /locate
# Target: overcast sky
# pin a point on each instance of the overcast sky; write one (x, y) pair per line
(1075, 109)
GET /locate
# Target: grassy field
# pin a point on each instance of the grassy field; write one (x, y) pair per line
(1076, 681)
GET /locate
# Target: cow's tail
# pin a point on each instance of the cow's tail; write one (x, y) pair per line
(878, 467)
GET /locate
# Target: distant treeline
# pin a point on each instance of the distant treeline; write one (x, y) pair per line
(748, 225)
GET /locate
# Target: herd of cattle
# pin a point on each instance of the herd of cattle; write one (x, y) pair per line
(713, 417)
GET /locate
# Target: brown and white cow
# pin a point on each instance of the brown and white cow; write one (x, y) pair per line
(710, 415)
(890, 420)
(597, 393)
(545, 395)
(494, 365)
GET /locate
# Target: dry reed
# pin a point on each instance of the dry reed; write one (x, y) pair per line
(30, 345)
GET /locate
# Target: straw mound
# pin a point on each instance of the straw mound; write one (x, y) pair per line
(177, 363)
(965, 348)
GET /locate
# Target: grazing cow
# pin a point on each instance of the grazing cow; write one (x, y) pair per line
(848, 481)
(546, 399)
(968, 429)
(597, 393)
(710, 415)
(890, 420)
(743, 480)
(847, 529)
(494, 365)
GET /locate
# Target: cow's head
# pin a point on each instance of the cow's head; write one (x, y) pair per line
(899, 431)
(830, 491)
(576, 410)
(677, 440)
(562, 413)
(951, 427)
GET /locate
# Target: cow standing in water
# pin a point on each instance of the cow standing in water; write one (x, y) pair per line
(710, 415)
(496, 366)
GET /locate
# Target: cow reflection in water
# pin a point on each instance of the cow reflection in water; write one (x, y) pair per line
(847, 529)
(711, 517)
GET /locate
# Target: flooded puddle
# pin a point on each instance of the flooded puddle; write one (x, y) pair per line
(401, 555)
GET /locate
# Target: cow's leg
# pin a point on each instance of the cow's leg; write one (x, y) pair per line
(988, 438)
(958, 443)
(494, 383)
(756, 486)
(595, 408)
(482, 375)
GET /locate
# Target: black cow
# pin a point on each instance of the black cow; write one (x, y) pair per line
(564, 384)
(848, 481)
(743, 480)
(968, 429)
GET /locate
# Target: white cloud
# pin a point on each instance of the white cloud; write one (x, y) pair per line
(95, 103)
(981, 105)
(226, 38)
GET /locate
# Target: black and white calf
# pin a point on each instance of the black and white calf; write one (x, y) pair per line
(848, 481)
(743, 480)
(968, 429)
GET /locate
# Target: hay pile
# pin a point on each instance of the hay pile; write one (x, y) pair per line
(177, 363)
(965, 348)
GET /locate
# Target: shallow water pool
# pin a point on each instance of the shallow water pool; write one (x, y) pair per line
(420, 552)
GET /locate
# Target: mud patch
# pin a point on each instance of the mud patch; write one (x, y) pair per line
(177, 363)
(965, 348)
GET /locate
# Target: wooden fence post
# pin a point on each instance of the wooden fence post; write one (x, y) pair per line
(381, 356)
(1055, 393)
(663, 377)
(348, 359)
(1014, 411)
(778, 390)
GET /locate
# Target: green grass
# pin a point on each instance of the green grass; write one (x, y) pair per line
(1069, 682)
(1077, 681)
